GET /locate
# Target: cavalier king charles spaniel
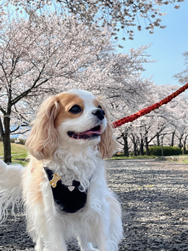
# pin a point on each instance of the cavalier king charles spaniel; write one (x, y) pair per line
(64, 187)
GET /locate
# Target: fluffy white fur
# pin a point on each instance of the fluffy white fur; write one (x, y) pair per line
(98, 224)
(10, 188)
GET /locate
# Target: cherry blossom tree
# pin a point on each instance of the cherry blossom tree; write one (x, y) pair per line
(52, 54)
(124, 108)
(166, 125)
(39, 58)
(179, 120)
(116, 14)
(182, 77)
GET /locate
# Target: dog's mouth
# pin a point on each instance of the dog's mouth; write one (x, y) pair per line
(90, 134)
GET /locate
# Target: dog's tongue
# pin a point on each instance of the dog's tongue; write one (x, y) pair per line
(90, 132)
(93, 132)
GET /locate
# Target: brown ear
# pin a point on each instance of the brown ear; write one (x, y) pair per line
(43, 139)
(108, 143)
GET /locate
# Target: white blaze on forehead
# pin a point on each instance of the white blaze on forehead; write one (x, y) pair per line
(86, 96)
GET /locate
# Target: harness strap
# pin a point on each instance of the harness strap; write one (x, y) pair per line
(67, 198)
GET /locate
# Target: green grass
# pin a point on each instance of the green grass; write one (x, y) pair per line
(183, 159)
(133, 157)
(18, 152)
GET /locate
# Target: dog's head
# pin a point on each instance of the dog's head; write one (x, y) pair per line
(74, 118)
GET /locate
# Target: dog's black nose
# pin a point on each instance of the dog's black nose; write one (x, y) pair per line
(99, 113)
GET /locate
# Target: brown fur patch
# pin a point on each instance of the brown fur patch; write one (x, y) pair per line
(108, 143)
(66, 102)
(96, 103)
(36, 173)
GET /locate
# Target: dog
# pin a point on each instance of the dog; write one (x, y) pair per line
(64, 186)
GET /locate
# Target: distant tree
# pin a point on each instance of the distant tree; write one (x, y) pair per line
(166, 125)
(116, 14)
(129, 135)
(179, 120)
(182, 77)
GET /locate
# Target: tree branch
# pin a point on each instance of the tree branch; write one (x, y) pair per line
(2, 110)
(24, 94)
(15, 129)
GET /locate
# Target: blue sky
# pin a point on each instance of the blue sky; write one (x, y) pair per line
(167, 45)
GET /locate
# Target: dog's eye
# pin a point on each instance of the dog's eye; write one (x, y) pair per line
(75, 109)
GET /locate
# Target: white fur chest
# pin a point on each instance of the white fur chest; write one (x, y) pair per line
(85, 166)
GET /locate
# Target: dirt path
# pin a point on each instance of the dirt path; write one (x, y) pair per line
(154, 197)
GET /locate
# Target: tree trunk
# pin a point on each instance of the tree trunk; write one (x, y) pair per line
(184, 144)
(162, 150)
(158, 140)
(1, 128)
(147, 146)
(184, 147)
(135, 149)
(180, 143)
(142, 147)
(125, 147)
(6, 140)
(134, 146)
(172, 140)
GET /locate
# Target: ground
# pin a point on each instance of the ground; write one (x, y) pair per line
(154, 198)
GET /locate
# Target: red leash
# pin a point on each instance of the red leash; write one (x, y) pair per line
(148, 109)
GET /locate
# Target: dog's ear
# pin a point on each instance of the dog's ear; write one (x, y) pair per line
(43, 139)
(108, 143)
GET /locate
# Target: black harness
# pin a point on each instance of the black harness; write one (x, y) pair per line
(66, 200)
